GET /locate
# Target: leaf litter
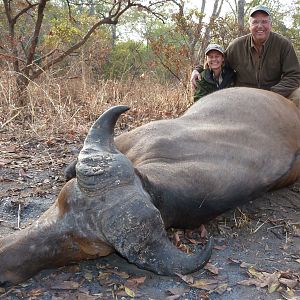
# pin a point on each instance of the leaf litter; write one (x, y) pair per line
(35, 171)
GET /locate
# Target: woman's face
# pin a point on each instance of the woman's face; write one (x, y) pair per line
(214, 59)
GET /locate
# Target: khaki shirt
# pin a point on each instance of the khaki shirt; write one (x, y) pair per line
(277, 68)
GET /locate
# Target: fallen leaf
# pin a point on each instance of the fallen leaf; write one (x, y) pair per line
(262, 279)
(221, 288)
(189, 233)
(285, 247)
(129, 292)
(235, 261)
(5, 161)
(123, 275)
(255, 273)
(25, 284)
(203, 295)
(103, 276)
(120, 291)
(23, 174)
(176, 238)
(36, 292)
(10, 149)
(245, 265)
(135, 282)
(273, 287)
(248, 282)
(186, 278)
(211, 268)
(296, 230)
(177, 291)
(88, 276)
(203, 231)
(193, 241)
(205, 284)
(100, 266)
(172, 297)
(66, 285)
(272, 281)
(184, 248)
(86, 296)
(50, 142)
(290, 283)
(290, 295)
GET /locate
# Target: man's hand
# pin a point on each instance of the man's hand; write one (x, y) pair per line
(194, 77)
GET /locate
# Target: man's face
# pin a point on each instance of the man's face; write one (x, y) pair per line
(260, 26)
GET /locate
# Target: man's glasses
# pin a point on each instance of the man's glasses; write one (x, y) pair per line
(257, 22)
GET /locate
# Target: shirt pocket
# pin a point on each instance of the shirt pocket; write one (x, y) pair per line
(271, 70)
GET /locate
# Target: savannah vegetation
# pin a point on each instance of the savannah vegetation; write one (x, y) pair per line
(63, 62)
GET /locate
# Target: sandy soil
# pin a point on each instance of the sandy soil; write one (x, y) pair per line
(256, 255)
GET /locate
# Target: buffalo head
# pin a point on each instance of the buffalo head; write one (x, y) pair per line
(104, 209)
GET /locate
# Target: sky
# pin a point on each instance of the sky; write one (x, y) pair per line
(226, 8)
(209, 5)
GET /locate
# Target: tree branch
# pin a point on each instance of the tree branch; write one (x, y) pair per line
(36, 34)
(113, 17)
(23, 11)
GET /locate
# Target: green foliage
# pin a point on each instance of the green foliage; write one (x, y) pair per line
(23, 32)
(125, 60)
(188, 23)
(63, 30)
(172, 54)
(224, 30)
(294, 31)
(173, 44)
(143, 42)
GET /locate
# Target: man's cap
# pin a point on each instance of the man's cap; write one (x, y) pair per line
(260, 7)
(214, 47)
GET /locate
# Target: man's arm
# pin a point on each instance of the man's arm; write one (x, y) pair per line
(290, 79)
(196, 76)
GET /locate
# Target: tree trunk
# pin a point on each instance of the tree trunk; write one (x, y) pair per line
(113, 34)
(241, 15)
(22, 84)
(218, 4)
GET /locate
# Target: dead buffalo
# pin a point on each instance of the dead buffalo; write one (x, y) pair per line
(227, 149)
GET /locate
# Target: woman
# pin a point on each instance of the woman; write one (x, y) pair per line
(216, 75)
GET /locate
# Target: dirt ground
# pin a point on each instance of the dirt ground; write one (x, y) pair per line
(256, 253)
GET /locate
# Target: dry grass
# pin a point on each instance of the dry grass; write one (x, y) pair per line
(57, 105)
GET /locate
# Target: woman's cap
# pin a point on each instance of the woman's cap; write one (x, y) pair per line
(214, 47)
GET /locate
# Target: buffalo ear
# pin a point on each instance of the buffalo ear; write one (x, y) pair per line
(70, 171)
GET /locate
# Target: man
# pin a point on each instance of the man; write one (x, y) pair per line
(264, 59)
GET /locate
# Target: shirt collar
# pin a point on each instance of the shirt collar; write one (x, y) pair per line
(264, 44)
